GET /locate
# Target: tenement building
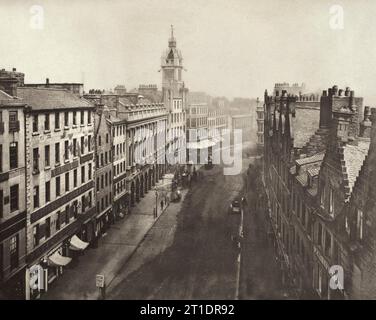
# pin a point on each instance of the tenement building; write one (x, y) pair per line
(260, 125)
(104, 170)
(60, 195)
(12, 195)
(319, 165)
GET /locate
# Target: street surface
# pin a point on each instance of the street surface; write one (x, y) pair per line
(191, 255)
(190, 252)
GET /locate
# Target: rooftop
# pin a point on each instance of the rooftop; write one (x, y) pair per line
(51, 98)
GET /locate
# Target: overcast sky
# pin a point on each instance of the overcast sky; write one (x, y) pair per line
(230, 48)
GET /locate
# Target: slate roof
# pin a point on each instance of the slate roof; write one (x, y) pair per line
(51, 98)
(315, 158)
(354, 157)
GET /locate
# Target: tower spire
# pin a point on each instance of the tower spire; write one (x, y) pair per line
(172, 41)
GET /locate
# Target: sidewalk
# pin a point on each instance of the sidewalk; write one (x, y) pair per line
(114, 250)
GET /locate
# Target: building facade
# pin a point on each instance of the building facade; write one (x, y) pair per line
(12, 196)
(260, 126)
(103, 175)
(318, 175)
(59, 153)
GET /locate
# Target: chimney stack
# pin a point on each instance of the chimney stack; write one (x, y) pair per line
(47, 82)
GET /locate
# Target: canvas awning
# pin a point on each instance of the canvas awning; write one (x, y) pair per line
(204, 144)
(77, 244)
(56, 259)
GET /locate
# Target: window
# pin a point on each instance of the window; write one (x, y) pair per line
(58, 220)
(35, 160)
(46, 156)
(1, 158)
(89, 171)
(107, 137)
(75, 147)
(36, 235)
(57, 181)
(97, 183)
(46, 122)
(35, 123)
(82, 118)
(359, 224)
(48, 227)
(66, 150)
(74, 118)
(319, 235)
(14, 198)
(66, 119)
(66, 181)
(89, 117)
(99, 140)
(36, 196)
(67, 214)
(83, 174)
(57, 153)
(75, 209)
(13, 155)
(13, 121)
(13, 248)
(82, 145)
(331, 202)
(328, 243)
(74, 178)
(48, 191)
(1, 203)
(83, 203)
(57, 120)
(89, 143)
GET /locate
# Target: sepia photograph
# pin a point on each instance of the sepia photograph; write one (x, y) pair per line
(208, 151)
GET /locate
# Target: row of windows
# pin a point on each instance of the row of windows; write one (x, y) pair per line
(75, 149)
(177, 117)
(120, 168)
(103, 159)
(43, 231)
(68, 186)
(104, 202)
(57, 120)
(118, 131)
(104, 180)
(120, 187)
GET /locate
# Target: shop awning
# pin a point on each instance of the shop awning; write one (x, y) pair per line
(77, 244)
(204, 144)
(56, 259)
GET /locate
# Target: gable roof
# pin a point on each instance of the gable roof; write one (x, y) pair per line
(354, 157)
(51, 98)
